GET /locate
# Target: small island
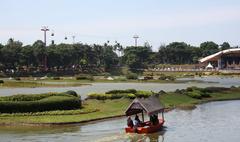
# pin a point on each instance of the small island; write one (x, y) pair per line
(68, 108)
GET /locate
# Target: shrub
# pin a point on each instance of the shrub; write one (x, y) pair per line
(162, 92)
(56, 78)
(23, 103)
(166, 77)
(50, 74)
(130, 96)
(71, 92)
(1, 81)
(143, 94)
(85, 77)
(198, 93)
(133, 91)
(194, 94)
(162, 77)
(98, 96)
(132, 76)
(215, 89)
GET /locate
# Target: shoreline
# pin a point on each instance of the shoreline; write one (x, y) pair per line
(84, 122)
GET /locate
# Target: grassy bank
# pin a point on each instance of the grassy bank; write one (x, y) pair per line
(34, 84)
(93, 109)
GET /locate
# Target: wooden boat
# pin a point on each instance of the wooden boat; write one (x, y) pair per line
(151, 106)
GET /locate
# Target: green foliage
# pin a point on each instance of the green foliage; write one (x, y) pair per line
(136, 57)
(85, 77)
(197, 93)
(225, 46)
(132, 76)
(130, 96)
(39, 103)
(194, 94)
(56, 78)
(166, 77)
(133, 91)
(1, 81)
(71, 92)
(144, 94)
(117, 94)
(99, 96)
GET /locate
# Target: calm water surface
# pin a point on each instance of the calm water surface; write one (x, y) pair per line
(103, 87)
(211, 122)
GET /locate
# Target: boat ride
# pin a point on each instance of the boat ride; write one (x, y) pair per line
(150, 106)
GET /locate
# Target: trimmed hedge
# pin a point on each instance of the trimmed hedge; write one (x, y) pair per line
(133, 91)
(144, 94)
(71, 92)
(117, 94)
(39, 103)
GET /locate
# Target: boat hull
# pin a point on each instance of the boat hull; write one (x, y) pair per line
(146, 128)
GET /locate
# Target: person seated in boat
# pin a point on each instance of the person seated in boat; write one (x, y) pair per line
(137, 119)
(129, 122)
(154, 119)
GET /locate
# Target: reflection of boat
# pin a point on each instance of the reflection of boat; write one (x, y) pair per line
(151, 106)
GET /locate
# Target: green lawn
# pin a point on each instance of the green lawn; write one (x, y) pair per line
(106, 108)
(33, 84)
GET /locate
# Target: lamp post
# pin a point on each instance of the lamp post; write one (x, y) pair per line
(45, 29)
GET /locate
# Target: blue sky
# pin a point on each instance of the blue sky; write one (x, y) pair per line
(96, 21)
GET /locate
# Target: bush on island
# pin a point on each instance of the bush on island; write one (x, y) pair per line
(56, 78)
(197, 93)
(131, 96)
(85, 77)
(39, 103)
(71, 92)
(144, 94)
(133, 91)
(132, 76)
(1, 81)
(166, 77)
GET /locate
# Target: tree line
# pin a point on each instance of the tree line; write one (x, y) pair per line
(84, 57)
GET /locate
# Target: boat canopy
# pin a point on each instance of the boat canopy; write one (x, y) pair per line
(150, 105)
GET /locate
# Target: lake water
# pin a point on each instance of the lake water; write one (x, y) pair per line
(103, 87)
(211, 122)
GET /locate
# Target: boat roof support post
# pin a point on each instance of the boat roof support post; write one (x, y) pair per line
(163, 115)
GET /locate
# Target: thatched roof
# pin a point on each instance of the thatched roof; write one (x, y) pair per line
(149, 105)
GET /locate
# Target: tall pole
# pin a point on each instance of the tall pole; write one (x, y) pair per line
(73, 37)
(45, 29)
(136, 38)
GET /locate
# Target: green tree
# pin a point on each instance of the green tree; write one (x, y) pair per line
(208, 48)
(225, 45)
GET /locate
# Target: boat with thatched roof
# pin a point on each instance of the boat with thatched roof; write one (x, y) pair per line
(150, 106)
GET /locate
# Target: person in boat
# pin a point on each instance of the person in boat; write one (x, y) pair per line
(137, 119)
(154, 119)
(129, 122)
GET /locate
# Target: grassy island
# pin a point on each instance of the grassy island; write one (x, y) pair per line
(100, 106)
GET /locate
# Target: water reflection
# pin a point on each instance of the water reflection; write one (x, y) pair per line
(154, 137)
